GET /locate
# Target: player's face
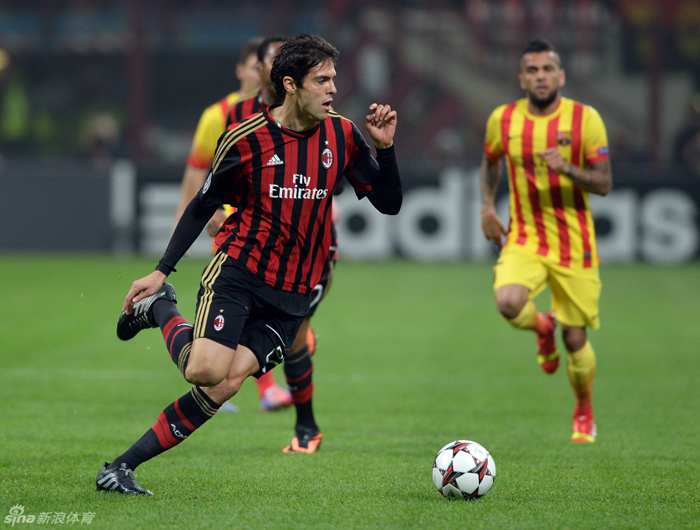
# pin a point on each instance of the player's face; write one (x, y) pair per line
(315, 96)
(248, 73)
(541, 77)
(266, 66)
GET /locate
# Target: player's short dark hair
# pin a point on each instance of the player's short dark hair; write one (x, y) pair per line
(265, 44)
(538, 45)
(297, 56)
(249, 48)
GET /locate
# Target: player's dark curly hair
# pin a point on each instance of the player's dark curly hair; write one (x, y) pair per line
(297, 56)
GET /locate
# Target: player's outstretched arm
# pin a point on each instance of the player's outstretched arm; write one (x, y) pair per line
(381, 125)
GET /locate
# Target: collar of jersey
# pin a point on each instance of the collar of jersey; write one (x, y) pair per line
(268, 116)
(544, 116)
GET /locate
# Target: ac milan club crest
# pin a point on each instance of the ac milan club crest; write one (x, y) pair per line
(219, 323)
(327, 158)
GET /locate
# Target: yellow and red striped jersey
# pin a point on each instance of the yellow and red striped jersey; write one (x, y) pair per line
(211, 126)
(549, 214)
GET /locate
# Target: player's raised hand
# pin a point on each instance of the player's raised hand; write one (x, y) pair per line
(142, 288)
(381, 125)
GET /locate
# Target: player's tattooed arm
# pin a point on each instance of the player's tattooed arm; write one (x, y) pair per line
(596, 179)
(489, 176)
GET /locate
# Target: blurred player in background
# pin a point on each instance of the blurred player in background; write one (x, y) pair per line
(556, 153)
(247, 104)
(253, 297)
(211, 126)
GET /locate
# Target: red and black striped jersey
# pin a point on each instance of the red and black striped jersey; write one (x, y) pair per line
(281, 183)
(246, 106)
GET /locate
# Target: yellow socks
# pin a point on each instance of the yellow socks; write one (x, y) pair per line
(581, 368)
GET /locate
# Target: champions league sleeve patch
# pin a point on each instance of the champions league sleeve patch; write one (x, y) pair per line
(207, 184)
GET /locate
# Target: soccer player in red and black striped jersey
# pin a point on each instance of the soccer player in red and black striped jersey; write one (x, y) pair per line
(215, 120)
(298, 365)
(253, 70)
(556, 153)
(279, 169)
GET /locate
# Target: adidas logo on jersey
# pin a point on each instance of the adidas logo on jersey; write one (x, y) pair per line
(275, 161)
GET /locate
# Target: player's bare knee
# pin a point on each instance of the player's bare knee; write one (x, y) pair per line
(509, 307)
(510, 300)
(574, 338)
(203, 376)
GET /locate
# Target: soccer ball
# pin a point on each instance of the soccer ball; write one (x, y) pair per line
(464, 469)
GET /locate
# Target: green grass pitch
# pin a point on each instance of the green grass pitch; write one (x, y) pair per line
(410, 357)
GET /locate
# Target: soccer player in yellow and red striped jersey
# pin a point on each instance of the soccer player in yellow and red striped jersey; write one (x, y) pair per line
(556, 153)
(212, 124)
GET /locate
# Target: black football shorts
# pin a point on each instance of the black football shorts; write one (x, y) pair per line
(236, 307)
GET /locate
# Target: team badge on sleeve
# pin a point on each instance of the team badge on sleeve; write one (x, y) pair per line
(327, 158)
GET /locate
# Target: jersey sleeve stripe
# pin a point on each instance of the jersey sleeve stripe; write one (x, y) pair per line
(232, 136)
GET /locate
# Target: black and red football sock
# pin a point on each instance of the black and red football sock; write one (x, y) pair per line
(177, 333)
(298, 370)
(177, 422)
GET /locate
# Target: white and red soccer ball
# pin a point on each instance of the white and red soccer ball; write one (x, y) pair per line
(464, 469)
